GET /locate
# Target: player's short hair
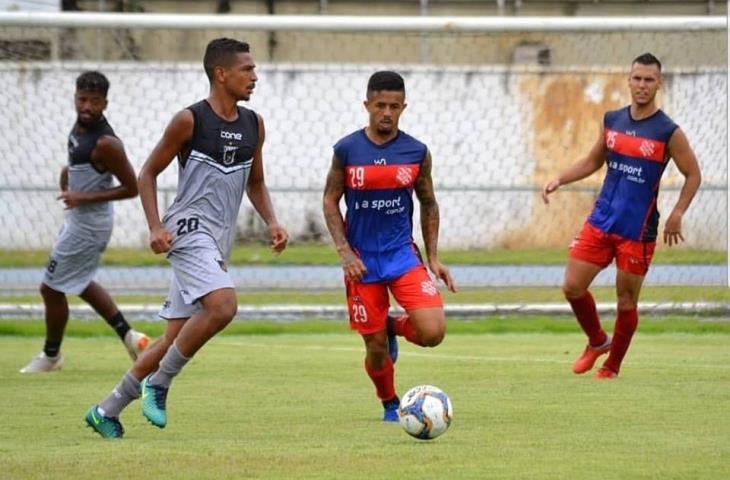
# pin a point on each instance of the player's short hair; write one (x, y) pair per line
(648, 59)
(92, 81)
(220, 53)
(386, 80)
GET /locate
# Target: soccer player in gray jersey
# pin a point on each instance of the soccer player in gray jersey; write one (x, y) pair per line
(95, 156)
(218, 145)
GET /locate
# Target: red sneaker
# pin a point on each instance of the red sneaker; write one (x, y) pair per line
(605, 373)
(589, 356)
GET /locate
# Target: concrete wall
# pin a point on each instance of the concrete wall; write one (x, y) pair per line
(679, 49)
(495, 133)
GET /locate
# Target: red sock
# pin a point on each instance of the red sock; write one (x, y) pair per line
(585, 311)
(626, 322)
(404, 328)
(383, 379)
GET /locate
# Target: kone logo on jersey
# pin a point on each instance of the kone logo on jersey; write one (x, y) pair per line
(231, 135)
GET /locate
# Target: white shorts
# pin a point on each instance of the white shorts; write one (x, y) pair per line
(74, 260)
(198, 268)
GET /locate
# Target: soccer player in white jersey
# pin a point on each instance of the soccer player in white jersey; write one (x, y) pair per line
(95, 157)
(219, 149)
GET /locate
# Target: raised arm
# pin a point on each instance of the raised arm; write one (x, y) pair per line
(258, 194)
(430, 222)
(175, 138)
(353, 267)
(684, 157)
(109, 153)
(584, 167)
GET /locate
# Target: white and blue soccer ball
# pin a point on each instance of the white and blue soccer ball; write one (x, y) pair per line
(425, 412)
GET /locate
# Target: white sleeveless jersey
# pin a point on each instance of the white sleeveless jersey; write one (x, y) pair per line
(212, 177)
(84, 177)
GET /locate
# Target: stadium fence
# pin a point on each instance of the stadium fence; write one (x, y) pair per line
(504, 103)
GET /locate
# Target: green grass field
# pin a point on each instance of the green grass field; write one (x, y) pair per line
(464, 296)
(324, 254)
(292, 401)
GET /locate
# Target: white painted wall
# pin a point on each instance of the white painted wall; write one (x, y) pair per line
(478, 122)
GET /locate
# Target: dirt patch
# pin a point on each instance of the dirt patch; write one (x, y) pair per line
(566, 115)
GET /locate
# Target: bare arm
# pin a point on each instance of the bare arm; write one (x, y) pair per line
(430, 222)
(176, 136)
(684, 157)
(584, 167)
(258, 194)
(63, 179)
(108, 152)
(353, 267)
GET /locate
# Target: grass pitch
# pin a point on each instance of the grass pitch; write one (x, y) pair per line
(298, 405)
(298, 253)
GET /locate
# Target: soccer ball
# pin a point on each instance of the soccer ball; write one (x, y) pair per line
(425, 412)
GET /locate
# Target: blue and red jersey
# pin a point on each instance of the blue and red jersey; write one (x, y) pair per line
(637, 157)
(379, 182)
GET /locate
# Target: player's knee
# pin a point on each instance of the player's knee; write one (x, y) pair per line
(225, 311)
(571, 290)
(433, 335)
(431, 340)
(48, 293)
(376, 358)
(376, 349)
(221, 307)
(625, 302)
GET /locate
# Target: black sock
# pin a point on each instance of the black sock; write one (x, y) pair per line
(119, 324)
(51, 349)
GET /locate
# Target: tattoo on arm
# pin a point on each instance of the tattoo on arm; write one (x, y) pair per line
(333, 191)
(429, 208)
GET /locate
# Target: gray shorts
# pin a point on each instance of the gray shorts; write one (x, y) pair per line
(198, 268)
(74, 259)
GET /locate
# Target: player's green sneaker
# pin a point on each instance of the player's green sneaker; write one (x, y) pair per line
(154, 399)
(107, 427)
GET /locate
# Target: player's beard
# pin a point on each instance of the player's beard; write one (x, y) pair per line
(88, 121)
(385, 129)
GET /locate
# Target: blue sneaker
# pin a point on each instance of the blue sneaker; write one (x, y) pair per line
(391, 410)
(154, 398)
(107, 427)
(392, 339)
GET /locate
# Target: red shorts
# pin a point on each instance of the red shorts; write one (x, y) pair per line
(368, 303)
(599, 248)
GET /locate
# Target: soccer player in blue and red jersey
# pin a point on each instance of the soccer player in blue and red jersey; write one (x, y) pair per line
(636, 144)
(377, 169)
